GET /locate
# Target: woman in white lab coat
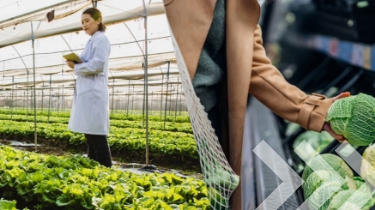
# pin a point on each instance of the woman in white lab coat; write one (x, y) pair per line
(90, 110)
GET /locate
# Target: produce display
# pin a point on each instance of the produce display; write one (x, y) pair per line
(335, 164)
(329, 182)
(332, 189)
(368, 165)
(360, 185)
(354, 118)
(316, 142)
(320, 186)
(350, 199)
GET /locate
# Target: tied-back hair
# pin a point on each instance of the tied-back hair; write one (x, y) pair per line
(96, 14)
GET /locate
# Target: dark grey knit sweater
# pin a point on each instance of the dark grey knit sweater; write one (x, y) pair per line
(212, 62)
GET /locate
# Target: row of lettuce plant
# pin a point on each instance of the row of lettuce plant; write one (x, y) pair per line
(114, 116)
(49, 182)
(130, 140)
(153, 125)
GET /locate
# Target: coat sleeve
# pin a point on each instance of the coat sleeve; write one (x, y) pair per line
(289, 102)
(101, 50)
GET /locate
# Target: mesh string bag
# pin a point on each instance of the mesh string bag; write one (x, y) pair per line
(219, 177)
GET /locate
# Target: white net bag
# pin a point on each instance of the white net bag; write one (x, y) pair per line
(219, 177)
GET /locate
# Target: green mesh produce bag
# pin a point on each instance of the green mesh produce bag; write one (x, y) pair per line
(354, 118)
(219, 177)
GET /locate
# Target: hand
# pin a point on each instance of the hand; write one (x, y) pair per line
(341, 95)
(70, 64)
(327, 127)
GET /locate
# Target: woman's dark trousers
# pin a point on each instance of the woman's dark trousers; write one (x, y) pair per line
(98, 149)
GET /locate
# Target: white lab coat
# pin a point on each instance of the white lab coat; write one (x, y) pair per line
(90, 110)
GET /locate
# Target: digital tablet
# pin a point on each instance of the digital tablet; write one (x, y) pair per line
(73, 57)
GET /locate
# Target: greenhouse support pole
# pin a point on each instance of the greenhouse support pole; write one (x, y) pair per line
(16, 103)
(50, 94)
(152, 99)
(127, 106)
(180, 104)
(170, 100)
(42, 97)
(144, 96)
(11, 111)
(24, 99)
(58, 99)
(132, 99)
(33, 46)
(161, 94)
(166, 95)
(146, 81)
(16, 99)
(63, 99)
(27, 97)
(8, 99)
(175, 111)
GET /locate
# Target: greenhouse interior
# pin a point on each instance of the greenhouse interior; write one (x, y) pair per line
(164, 150)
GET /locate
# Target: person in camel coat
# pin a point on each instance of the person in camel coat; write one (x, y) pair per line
(221, 44)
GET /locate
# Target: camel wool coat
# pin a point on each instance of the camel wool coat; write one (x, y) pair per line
(249, 71)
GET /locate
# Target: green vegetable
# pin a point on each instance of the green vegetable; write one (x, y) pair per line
(368, 165)
(320, 187)
(8, 205)
(354, 118)
(79, 183)
(162, 143)
(216, 200)
(353, 200)
(219, 178)
(337, 164)
(361, 185)
(314, 181)
(316, 141)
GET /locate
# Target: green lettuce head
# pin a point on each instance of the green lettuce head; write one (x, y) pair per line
(354, 118)
(368, 165)
(337, 164)
(361, 184)
(316, 142)
(321, 186)
(350, 199)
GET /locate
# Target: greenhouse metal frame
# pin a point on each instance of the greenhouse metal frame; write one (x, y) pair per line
(142, 62)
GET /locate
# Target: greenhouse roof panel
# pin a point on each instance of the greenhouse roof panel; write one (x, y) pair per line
(42, 28)
(125, 31)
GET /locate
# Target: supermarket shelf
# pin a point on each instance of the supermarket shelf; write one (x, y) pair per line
(356, 54)
(354, 72)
